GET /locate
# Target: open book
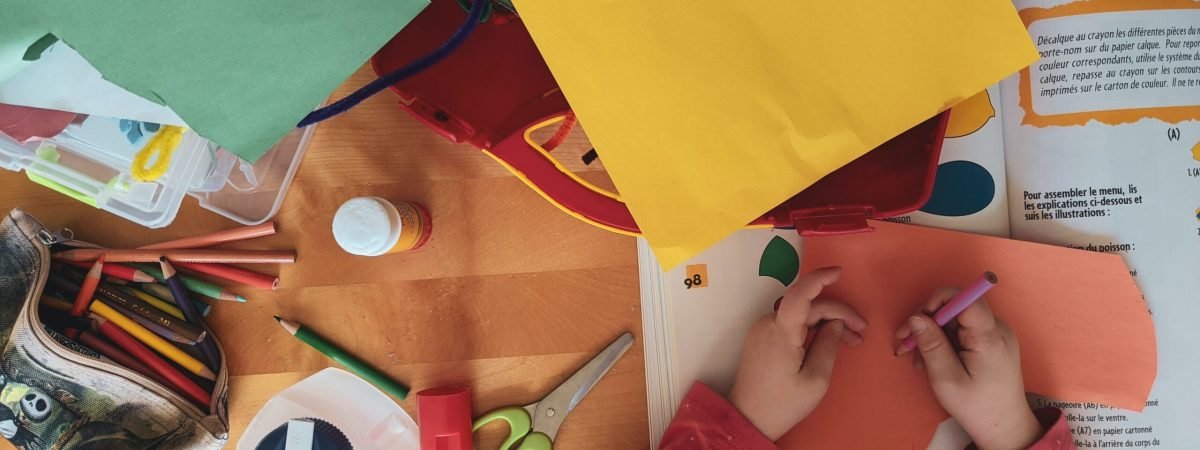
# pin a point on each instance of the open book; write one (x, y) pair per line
(1096, 146)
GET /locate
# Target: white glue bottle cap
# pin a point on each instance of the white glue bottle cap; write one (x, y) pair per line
(366, 226)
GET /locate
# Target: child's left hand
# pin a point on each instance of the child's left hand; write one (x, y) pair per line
(779, 381)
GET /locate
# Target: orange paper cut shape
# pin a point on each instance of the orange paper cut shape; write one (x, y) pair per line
(1084, 329)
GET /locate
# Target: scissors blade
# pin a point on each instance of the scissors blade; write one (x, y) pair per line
(549, 414)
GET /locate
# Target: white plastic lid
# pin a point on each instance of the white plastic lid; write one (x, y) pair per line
(369, 418)
(366, 226)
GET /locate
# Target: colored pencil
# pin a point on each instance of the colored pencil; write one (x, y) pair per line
(119, 271)
(163, 292)
(151, 340)
(61, 320)
(193, 256)
(955, 306)
(86, 291)
(194, 284)
(148, 324)
(177, 380)
(360, 368)
(207, 347)
(56, 303)
(119, 297)
(156, 302)
(62, 287)
(235, 274)
(177, 331)
(67, 283)
(224, 271)
(220, 237)
(119, 356)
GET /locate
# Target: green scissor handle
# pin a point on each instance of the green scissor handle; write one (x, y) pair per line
(536, 441)
(520, 425)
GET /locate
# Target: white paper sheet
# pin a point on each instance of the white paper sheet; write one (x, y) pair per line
(63, 80)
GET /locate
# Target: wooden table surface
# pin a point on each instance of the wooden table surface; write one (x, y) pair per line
(509, 296)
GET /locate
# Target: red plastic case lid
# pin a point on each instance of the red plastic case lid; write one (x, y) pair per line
(494, 87)
(895, 178)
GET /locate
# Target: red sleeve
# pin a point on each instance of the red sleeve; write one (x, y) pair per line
(705, 420)
(1058, 433)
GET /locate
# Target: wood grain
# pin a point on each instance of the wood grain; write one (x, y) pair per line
(509, 296)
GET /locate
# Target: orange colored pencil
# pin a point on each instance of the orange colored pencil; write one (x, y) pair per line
(235, 274)
(187, 256)
(120, 271)
(86, 292)
(177, 380)
(220, 237)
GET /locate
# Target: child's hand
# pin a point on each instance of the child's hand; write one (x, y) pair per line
(779, 382)
(979, 385)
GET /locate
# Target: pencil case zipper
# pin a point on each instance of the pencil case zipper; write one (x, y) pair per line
(46, 238)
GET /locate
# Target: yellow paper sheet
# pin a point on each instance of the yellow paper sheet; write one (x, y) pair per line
(708, 113)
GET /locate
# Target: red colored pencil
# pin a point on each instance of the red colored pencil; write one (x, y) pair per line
(119, 271)
(86, 292)
(177, 380)
(119, 356)
(235, 274)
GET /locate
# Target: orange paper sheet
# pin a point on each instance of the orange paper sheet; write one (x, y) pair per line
(1084, 330)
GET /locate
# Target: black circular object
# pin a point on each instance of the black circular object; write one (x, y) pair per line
(325, 437)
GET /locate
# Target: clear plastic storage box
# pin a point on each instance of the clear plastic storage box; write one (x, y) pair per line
(90, 161)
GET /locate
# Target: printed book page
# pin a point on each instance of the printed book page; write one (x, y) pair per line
(1095, 146)
(969, 192)
(1102, 141)
(696, 316)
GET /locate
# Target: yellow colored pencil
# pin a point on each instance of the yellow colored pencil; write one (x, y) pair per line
(151, 340)
(156, 302)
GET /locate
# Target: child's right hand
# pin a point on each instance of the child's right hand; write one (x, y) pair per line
(980, 384)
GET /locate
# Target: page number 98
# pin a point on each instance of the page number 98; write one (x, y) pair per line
(695, 276)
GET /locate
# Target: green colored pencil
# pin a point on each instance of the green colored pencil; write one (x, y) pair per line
(193, 284)
(360, 368)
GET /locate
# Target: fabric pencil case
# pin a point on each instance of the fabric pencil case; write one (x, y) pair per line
(56, 394)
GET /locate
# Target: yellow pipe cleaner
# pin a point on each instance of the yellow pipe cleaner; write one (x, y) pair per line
(162, 145)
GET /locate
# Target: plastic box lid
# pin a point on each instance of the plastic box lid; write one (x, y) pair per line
(90, 161)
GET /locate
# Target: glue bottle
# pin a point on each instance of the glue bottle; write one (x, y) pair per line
(372, 226)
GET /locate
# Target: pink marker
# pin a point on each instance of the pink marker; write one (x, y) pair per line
(957, 304)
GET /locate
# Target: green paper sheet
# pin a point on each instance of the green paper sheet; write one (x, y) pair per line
(241, 73)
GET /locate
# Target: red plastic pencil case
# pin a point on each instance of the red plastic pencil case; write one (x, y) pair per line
(496, 90)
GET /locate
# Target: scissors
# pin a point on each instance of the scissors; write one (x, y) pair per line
(538, 423)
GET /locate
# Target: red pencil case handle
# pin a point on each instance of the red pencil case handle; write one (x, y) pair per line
(537, 168)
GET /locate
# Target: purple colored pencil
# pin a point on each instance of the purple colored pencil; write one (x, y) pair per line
(207, 347)
(957, 304)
